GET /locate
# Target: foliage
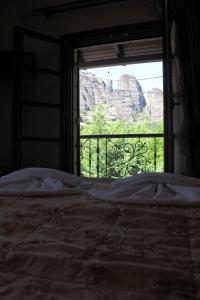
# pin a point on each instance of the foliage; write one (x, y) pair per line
(122, 156)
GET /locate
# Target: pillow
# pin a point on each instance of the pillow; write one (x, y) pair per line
(67, 178)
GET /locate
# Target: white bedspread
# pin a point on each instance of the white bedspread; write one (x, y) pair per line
(152, 188)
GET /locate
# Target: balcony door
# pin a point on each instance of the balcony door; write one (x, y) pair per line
(108, 47)
(39, 107)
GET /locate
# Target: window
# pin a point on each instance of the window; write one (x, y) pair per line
(121, 113)
(108, 47)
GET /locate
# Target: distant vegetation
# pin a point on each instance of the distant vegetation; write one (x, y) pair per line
(124, 156)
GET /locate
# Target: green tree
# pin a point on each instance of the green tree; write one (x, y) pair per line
(119, 157)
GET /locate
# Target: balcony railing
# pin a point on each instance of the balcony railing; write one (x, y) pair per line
(120, 155)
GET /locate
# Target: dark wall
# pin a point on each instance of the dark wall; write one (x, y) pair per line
(7, 19)
(18, 13)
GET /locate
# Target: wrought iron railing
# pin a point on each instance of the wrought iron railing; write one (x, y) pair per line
(120, 155)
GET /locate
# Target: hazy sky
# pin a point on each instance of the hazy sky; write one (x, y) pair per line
(143, 72)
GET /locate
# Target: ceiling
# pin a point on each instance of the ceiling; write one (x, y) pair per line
(50, 8)
(120, 53)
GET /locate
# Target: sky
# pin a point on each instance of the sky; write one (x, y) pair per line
(143, 72)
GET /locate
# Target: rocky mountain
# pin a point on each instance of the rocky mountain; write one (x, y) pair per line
(121, 101)
(154, 103)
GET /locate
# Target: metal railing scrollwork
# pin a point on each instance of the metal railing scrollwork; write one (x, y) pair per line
(120, 155)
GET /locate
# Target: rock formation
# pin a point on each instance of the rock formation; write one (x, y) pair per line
(121, 102)
(155, 103)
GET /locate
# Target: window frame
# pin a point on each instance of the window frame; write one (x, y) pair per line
(70, 82)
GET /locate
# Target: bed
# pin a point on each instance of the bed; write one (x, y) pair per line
(92, 240)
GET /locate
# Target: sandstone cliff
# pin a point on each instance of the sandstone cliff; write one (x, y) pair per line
(155, 103)
(121, 101)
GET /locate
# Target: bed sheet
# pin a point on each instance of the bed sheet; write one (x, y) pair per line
(80, 248)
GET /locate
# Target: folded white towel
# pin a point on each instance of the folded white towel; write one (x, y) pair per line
(67, 178)
(152, 188)
(39, 181)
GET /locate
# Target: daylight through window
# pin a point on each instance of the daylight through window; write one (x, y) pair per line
(121, 112)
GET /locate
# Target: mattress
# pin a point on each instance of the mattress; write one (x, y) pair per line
(79, 247)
